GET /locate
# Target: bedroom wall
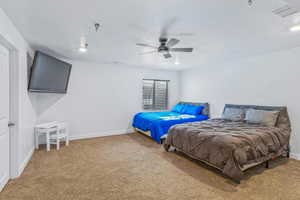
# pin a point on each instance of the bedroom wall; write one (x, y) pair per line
(26, 113)
(271, 79)
(102, 99)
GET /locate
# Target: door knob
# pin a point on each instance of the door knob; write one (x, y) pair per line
(10, 124)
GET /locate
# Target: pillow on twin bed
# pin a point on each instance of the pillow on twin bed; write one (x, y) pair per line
(192, 110)
(268, 118)
(188, 109)
(234, 114)
(178, 108)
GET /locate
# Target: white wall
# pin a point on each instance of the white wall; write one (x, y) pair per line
(102, 99)
(26, 116)
(271, 79)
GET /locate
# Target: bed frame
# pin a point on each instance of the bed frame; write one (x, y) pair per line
(283, 112)
(147, 133)
(205, 111)
(246, 167)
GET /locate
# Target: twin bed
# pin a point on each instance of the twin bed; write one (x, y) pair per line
(256, 135)
(157, 124)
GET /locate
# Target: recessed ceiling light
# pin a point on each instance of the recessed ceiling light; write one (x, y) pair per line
(82, 49)
(295, 28)
(177, 63)
(83, 45)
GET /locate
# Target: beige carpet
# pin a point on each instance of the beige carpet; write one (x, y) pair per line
(134, 167)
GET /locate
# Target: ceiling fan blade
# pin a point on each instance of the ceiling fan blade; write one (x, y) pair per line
(167, 55)
(145, 45)
(149, 52)
(172, 42)
(166, 27)
(181, 49)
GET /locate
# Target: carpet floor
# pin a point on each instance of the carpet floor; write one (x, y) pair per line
(135, 167)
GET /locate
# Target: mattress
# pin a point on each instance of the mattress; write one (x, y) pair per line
(158, 123)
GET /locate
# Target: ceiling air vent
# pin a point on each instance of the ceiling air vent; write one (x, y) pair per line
(285, 11)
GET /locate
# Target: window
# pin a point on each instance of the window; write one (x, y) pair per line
(155, 94)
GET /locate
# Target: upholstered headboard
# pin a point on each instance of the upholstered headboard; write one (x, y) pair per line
(283, 118)
(205, 110)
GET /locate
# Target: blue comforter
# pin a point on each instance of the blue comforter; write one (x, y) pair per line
(158, 123)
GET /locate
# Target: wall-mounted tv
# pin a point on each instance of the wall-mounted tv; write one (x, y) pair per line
(49, 74)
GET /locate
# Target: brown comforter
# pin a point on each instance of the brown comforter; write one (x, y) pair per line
(229, 145)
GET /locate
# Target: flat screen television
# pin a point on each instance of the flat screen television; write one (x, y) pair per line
(49, 74)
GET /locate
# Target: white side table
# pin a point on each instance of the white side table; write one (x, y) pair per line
(45, 129)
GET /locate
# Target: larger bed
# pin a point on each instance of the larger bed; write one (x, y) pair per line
(233, 146)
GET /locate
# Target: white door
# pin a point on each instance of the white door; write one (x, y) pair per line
(4, 116)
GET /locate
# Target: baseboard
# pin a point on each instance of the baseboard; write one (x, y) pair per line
(295, 156)
(100, 134)
(3, 182)
(26, 161)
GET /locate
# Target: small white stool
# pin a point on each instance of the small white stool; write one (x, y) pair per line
(54, 131)
(62, 133)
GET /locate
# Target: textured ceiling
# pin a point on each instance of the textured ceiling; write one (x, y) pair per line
(218, 30)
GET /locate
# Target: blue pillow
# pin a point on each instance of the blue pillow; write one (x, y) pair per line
(192, 110)
(178, 108)
(185, 109)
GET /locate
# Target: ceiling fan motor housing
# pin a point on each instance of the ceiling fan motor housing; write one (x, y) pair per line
(163, 47)
(163, 40)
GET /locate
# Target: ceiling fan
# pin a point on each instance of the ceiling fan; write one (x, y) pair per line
(166, 47)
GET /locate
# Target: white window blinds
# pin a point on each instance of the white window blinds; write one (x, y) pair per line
(155, 94)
